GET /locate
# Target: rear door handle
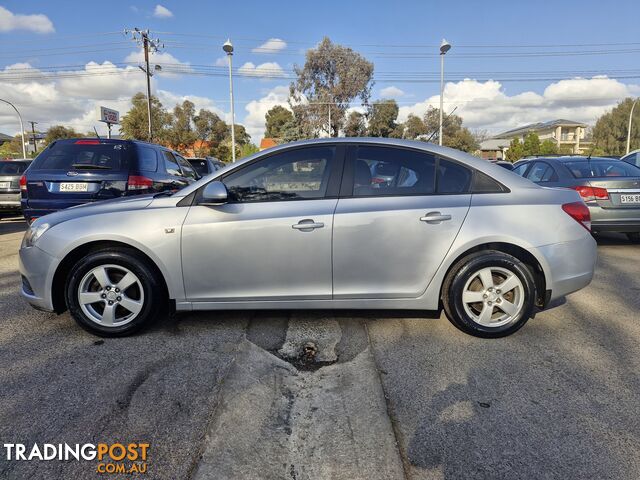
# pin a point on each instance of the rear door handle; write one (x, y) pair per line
(307, 225)
(435, 217)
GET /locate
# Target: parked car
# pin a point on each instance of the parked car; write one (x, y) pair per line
(207, 165)
(632, 157)
(609, 187)
(504, 164)
(77, 171)
(303, 225)
(10, 173)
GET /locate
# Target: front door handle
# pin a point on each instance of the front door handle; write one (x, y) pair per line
(435, 217)
(307, 225)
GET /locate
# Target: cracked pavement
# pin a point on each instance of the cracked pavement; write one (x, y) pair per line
(393, 395)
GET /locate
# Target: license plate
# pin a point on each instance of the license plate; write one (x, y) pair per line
(74, 187)
(634, 198)
(5, 185)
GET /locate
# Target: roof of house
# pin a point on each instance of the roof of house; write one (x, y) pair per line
(5, 138)
(494, 144)
(561, 122)
(267, 143)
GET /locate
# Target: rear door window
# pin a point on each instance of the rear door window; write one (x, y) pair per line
(520, 169)
(82, 156)
(187, 169)
(541, 172)
(452, 178)
(171, 164)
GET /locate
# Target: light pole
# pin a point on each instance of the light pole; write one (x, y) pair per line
(629, 127)
(228, 48)
(444, 48)
(24, 149)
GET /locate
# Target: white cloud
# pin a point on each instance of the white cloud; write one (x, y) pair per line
(272, 45)
(487, 105)
(391, 92)
(221, 62)
(257, 109)
(264, 70)
(162, 12)
(37, 23)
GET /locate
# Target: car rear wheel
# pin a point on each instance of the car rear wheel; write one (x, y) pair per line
(489, 294)
(113, 293)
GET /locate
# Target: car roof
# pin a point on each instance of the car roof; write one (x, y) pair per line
(112, 140)
(570, 158)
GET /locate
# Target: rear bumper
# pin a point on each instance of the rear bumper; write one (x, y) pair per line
(614, 219)
(571, 265)
(10, 201)
(37, 268)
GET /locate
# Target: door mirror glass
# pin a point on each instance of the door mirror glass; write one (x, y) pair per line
(214, 193)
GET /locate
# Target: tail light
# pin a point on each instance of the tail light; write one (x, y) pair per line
(591, 194)
(138, 182)
(23, 183)
(579, 212)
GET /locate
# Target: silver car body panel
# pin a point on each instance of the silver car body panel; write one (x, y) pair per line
(369, 253)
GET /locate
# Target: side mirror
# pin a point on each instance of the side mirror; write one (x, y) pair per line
(214, 193)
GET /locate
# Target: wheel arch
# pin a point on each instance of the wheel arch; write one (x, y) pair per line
(522, 254)
(64, 267)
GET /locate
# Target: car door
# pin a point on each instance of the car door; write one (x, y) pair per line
(272, 240)
(391, 232)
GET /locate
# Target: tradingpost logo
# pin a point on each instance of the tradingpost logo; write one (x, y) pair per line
(117, 458)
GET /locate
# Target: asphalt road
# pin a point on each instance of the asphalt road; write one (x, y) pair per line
(379, 394)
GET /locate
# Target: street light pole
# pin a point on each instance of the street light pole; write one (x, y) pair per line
(24, 148)
(444, 48)
(629, 127)
(228, 49)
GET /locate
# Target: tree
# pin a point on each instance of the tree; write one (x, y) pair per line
(276, 120)
(331, 78)
(382, 120)
(414, 127)
(181, 134)
(135, 124)
(610, 130)
(516, 150)
(548, 147)
(56, 132)
(12, 149)
(454, 134)
(248, 149)
(355, 126)
(531, 144)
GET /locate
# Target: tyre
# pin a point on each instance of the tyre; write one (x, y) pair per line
(489, 294)
(634, 237)
(113, 293)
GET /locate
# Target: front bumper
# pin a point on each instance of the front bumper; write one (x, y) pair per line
(570, 265)
(37, 268)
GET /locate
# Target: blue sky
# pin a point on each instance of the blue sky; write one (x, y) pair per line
(498, 46)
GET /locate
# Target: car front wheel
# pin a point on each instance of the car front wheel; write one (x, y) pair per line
(113, 293)
(489, 294)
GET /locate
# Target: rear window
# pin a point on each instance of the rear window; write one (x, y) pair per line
(13, 168)
(79, 156)
(147, 159)
(602, 168)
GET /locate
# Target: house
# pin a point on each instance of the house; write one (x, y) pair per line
(568, 136)
(5, 138)
(267, 143)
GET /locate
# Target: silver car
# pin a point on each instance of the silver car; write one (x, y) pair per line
(304, 225)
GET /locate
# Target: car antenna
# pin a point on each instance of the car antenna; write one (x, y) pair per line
(95, 130)
(443, 122)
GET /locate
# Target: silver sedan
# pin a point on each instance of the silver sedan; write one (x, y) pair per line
(309, 225)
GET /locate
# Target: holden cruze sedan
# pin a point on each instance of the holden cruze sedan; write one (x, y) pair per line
(306, 225)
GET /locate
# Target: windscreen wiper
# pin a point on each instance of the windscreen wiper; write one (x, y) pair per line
(84, 166)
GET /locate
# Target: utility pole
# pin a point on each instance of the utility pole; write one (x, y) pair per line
(228, 49)
(141, 37)
(33, 131)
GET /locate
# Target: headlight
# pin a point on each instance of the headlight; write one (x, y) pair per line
(33, 234)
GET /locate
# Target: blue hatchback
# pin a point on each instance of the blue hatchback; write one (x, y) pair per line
(77, 171)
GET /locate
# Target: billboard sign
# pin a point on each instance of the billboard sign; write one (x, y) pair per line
(108, 115)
